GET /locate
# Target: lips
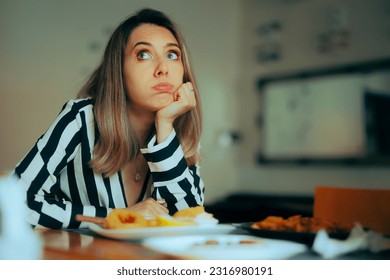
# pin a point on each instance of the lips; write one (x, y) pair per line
(163, 87)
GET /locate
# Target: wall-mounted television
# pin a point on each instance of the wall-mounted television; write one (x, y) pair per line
(333, 115)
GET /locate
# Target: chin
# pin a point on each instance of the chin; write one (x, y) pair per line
(163, 101)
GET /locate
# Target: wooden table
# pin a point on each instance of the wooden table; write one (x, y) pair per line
(85, 245)
(68, 245)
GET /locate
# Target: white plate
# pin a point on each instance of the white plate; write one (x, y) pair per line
(227, 247)
(140, 233)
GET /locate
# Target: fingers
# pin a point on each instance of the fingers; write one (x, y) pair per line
(149, 208)
(184, 101)
(188, 88)
(186, 95)
(154, 208)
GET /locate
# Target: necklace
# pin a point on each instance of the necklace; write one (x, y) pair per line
(137, 175)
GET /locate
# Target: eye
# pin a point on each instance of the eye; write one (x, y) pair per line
(143, 55)
(173, 55)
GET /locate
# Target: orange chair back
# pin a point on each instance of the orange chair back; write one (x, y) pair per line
(371, 208)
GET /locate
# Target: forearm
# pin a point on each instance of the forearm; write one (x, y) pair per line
(175, 184)
(43, 212)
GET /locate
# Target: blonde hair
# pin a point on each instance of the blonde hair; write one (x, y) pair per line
(116, 140)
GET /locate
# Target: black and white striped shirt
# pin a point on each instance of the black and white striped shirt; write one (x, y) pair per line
(60, 184)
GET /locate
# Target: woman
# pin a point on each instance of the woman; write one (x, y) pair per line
(131, 138)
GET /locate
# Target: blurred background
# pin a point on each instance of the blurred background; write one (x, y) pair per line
(254, 143)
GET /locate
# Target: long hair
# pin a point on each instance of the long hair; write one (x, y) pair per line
(116, 141)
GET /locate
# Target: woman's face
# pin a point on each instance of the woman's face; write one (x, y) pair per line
(153, 68)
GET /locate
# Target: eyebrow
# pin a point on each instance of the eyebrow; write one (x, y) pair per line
(149, 44)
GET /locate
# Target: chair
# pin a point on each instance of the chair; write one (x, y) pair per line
(371, 208)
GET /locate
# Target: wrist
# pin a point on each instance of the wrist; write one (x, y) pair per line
(163, 129)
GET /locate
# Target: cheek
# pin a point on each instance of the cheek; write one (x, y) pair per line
(179, 73)
(133, 78)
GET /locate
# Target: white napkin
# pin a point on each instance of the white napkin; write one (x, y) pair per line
(17, 238)
(359, 239)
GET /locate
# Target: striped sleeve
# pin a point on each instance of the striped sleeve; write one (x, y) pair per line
(175, 184)
(39, 171)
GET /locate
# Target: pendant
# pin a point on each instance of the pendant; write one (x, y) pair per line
(137, 175)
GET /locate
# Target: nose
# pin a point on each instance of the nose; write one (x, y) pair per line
(161, 68)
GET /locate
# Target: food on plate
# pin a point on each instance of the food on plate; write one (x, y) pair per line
(123, 218)
(213, 242)
(191, 212)
(298, 223)
(166, 220)
(197, 214)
